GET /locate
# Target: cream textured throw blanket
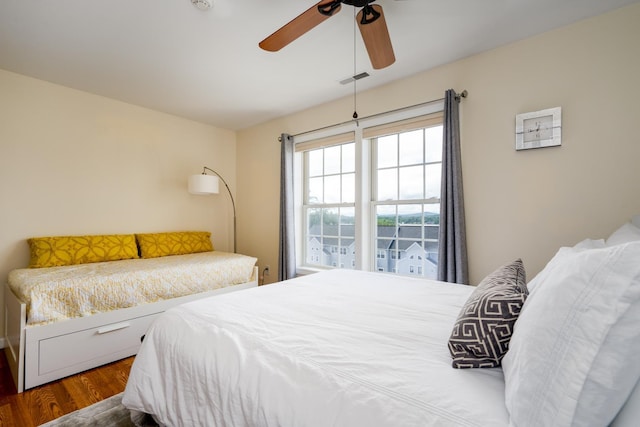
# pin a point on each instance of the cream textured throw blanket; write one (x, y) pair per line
(58, 293)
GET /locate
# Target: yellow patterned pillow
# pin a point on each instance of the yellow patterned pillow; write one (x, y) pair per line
(154, 245)
(72, 250)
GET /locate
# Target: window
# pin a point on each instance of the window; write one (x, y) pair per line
(370, 198)
(406, 176)
(328, 209)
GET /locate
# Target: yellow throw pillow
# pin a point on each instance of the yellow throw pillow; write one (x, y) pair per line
(72, 250)
(153, 245)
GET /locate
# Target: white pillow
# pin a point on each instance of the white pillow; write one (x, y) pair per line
(562, 253)
(549, 269)
(626, 233)
(590, 244)
(636, 221)
(573, 355)
(630, 412)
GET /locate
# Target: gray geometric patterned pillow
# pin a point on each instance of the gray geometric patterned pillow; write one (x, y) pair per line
(480, 337)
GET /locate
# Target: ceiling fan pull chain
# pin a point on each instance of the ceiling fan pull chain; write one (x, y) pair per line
(355, 102)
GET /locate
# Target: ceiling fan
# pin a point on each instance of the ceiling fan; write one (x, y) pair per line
(371, 22)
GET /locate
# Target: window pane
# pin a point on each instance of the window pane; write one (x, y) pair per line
(314, 219)
(315, 190)
(315, 162)
(411, 148)
(330, 222)
(412, 259)
(332, 189)
(349, 158)
(431, 231)
(431, 249)
(411, 183)
(410, 214)
(314, 250)
(386, 226)
(348, 188)
(387, 184)
(432, 180)
(386, 215)
(432, 213)
(346, 256)
(387, 147)
(387, 261)
(433, 139)
(314, 237)
(347, 222)
(332, 160)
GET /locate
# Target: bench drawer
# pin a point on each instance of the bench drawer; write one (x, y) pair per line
(73, 352)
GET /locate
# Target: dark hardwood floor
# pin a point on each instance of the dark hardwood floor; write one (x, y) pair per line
(47, 402)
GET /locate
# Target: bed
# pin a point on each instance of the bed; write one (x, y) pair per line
(63, 319)
(353, 348)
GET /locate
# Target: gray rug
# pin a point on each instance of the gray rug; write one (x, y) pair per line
(106, 413)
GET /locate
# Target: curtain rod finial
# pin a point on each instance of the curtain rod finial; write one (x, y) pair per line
(461, 95)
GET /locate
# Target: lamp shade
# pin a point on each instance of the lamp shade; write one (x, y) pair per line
(203, 184)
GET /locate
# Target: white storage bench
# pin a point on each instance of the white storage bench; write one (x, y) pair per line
(43, 353)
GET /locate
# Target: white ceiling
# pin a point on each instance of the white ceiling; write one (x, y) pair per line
(206, 65)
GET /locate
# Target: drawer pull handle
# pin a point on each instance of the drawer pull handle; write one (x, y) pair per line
(112, 328)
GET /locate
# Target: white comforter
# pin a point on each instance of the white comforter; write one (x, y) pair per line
(337, 348)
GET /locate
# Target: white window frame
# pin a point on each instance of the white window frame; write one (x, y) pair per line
(433, 120)
(302, 158)
(364, 259)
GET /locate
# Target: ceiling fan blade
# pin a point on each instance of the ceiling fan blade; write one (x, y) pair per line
(375, 34)
(300, 25)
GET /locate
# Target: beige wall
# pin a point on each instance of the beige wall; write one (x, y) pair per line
(76, 163)
(519, 204)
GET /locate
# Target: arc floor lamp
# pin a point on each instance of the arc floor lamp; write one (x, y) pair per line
(204, 184)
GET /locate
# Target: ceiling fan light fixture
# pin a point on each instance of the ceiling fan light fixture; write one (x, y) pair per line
(328, 9)
(375, 34)
(369, 15)
(202, 4)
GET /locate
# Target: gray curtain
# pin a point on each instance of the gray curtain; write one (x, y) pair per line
(286, 249)
(452, 252)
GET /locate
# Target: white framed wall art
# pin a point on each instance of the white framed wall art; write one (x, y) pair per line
(539, 129)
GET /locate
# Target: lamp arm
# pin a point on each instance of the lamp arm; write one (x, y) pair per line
(233, 203)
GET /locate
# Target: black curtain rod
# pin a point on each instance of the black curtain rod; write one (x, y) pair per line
(459, 96)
